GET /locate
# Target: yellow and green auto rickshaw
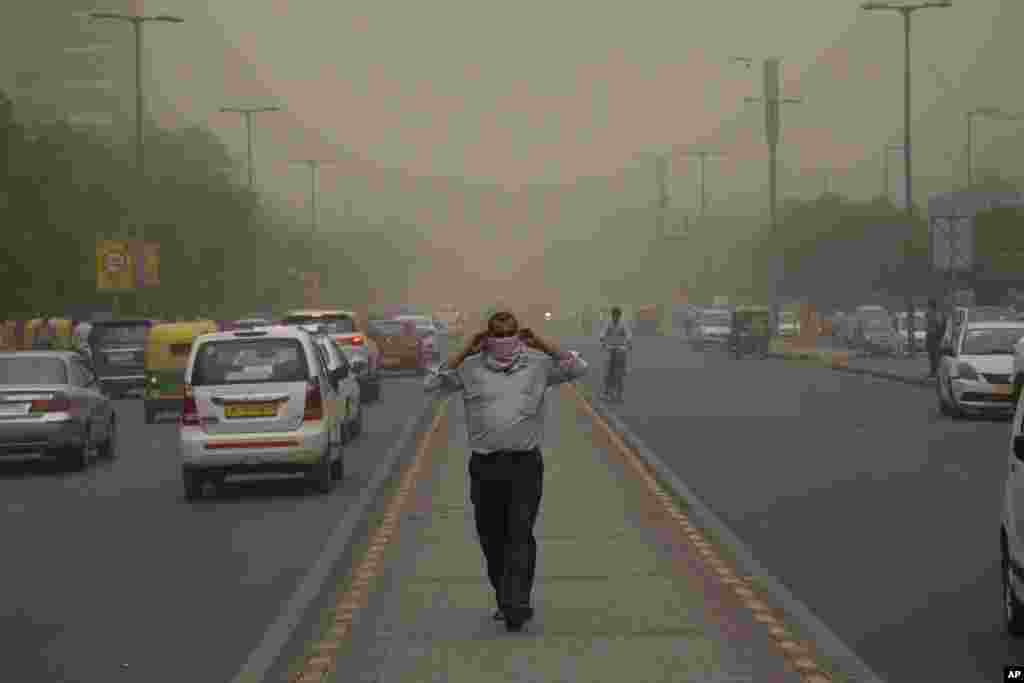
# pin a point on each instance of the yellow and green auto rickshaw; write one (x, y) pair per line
(167, 351)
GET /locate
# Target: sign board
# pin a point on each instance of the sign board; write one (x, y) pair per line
(114, 266)
(951, 225)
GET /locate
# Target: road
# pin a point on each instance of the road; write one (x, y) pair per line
(876, 512)
(109, 575)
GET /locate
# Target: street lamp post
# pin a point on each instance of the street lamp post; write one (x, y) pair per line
(247, 113)
(994, 113)
(314, 166)
(137, 20)
(906, 11)
(702, 156)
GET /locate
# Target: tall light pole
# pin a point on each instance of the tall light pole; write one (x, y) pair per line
(314, 166)
(994, 113)
(885, 167)
(906, 11)
(702, 156)
(247, 113)
(137, 20)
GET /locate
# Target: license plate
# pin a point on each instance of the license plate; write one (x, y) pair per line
(11, 409)
(1002, 390)
(251, 410)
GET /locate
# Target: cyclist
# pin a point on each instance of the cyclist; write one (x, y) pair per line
(616, 339)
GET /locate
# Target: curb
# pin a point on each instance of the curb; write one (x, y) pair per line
(927, 383)
(834, 650)
(280, 632)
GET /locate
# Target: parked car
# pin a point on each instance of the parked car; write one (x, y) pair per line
(976, 372)
(347, 330)
(260, 400)
(52, 407)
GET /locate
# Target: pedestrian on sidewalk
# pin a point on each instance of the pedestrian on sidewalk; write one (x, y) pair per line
(504, 373)
(933, 339)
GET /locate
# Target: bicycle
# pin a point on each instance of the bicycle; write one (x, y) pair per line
(613, 381)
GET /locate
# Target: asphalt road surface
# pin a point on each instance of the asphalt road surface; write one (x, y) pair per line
(109, 575)
(878, 513)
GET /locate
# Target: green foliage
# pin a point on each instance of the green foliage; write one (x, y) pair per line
(224, 251)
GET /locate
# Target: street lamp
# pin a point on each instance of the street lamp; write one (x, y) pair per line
(994, 113)
(702, 155)
(906, 11)
(137, 20)
(247, 113)
(314, 166)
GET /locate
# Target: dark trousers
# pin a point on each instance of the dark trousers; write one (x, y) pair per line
(505, 489)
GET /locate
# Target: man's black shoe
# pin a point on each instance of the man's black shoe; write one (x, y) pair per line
(515, 617)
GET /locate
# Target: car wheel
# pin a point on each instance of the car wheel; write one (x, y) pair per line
(955, 411)
(193, 484)
(1018, 384)
(77, 459)
(321, 473)
(1013, 610)
(338, 468)
(150, 415)
(109, 448)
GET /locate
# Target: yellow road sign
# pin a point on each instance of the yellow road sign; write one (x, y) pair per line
(114, 266)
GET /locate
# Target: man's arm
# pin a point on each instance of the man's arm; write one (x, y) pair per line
(445, 377)
(564, 367)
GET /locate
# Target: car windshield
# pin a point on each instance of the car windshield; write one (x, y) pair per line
(29, 370)
(716, 319)
(120, 334)
(334, 324)
(249, 361)
(991, 341)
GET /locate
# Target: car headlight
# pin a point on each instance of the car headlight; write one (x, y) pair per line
(966, 371)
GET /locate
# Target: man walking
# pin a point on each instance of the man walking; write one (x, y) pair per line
(504, 374)
(933, 339)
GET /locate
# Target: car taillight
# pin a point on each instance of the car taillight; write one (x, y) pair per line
(356, 341)
(58, 403)
(189, 410)
(314, 403)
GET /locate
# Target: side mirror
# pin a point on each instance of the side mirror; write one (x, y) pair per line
(1018, 446)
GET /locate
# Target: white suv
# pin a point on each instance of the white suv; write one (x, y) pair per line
(260, 400)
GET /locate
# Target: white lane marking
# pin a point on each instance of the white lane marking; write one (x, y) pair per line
(280, 631)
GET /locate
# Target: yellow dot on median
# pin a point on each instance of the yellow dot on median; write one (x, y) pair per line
(745, 593)
(805, 664)
(792, 647)
(778, 632)
(756, 605)
(765, 618)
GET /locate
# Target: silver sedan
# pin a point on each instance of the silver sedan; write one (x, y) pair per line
(51, 406)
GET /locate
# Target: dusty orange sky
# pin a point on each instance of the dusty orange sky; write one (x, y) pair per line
(545, 92)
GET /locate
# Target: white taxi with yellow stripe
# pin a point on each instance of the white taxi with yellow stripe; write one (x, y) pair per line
(256, 401)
